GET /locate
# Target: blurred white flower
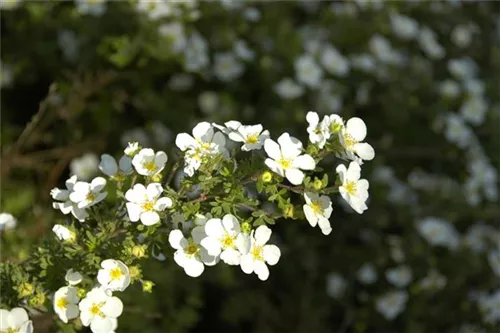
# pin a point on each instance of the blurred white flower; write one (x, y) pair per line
(479, 235)
(7, 221)
(10, 4)
(73, 277)
(208, 101)
(392, 303)
(462, 35)
(439, 232)
(69, 44)
(457, 131)
(161, 133)
(109, 167)
(156, 9)
(15, 320)
(449, 89)
(242, 50)
(364, 62)
(494, 260)
(399, 276)
(474, 87)
(174, 33)
(434, 281)
(84, 167)
(251, 14)
(196, 53)
(227, 67)
(429, 44)
(403, 26)
(462, 69)
(335, 285)
(63, 233)
(180, 82)
(91, 7)
(333, 61)
(288, 89)
(307, 71)
(367, 274)
(6, 76)
(382, 49)
(474, 110)
(489, 305)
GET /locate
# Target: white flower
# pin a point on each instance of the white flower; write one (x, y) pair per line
(367, 274)
(7, 221)
(63, 233)
(399, 276)
(155, 8)
(462, 69)
(334, 62)
(181, 82)
(383, 51)
(64, 204)
(145, 203)
(190, 255)
(196, 53)
(494, 261)
(260, 253)
(351, 138)
(335, 285)
(439, 232)
(149, 163)
(92, 7)
(174, 33)
(224, 238)
(307, 71)
(489, 306)
(204, 143)
(99, 309)
(15, 320)
(353, 189)
(114, 275)
(242, 50)
(461, 35)
(109, 167)
(252, 136)
(403, 26)
(65, 303)
(227, 67)
(433, 281)
(478, 236)
(429, 44)
(474, 110)
(208, 102)
(364, 62)
(318, 210)
(457, 131)
(229, 126)
(391, 304)
(88, 194)
(288, 89)
(449, 88)
(318, 133)
(132, 149)
(73, 277)
(10, 4)
(286, 160)
(84, 167)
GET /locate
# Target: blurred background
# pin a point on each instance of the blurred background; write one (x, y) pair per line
(82, 78)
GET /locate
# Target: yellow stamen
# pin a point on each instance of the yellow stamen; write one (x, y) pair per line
(252, 139)
(90, 197)
(351, 187)
(349, 141)
(62, 302)
(285, 163)
(115, 274)
(95, 309)
(191, 249)
(150, 166)
(316, 207)
(227, 241)
(257, 253)
(147, 206)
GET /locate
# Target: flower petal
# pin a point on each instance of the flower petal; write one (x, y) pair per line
(177, 240)
(97, 184)
(365, 151)
(304, 162)
(247, 263)
(163, 203)
(150, 218)
(185, 141)
(275, 167)
(272, 254)
(134, 211)
(193, 267)
(231, 256)
(290, 147)
(231, 224)
(113, 307)
(261, 270)
(213, 228)
(212, 245)
(108, 165)
(272, 149)
(356, 128)
(294, 176)
(262, 235)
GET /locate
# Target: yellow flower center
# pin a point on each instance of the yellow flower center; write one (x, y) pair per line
(335, 127)
(316, 207)
(150, 166)
(285, 163)
(227, 241)
(90, 196)
(191, 249)
(62, 302)
(253, 138)
(11, 330)
(351, 187)
(349, 141)
(147, 206)
(95, 309)
(257, 253)
(115, 274)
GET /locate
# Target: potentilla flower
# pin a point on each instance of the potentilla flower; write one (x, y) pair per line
(335, 285)
(73, 277)
(149, 163)
(392, 303)
(132, 149)
(318, 133)
(318, 210)
(99, 309)
(351, 138)
(439, 232)
(64, 204)
(334, 62)
(286, 160)
(7, 221)
(367, 274)
(433, 281)
(229, 126)
(399, 276)
(353, 189)
(91, 7)
(307, 71)
(288, 89)
(403, 26)
(224, 238)
(494, 261)
(86, 195)
(253, 136)
(84, 167)
(190, 255)
(114, 275)
(63, 233)
(109, 167)
(474, 110)
(259, 253)
(145, 203)
(227, 67)
(204, 143)
(15, 320)
(66, 303)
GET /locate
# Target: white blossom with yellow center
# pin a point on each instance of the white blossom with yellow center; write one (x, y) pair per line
(259, 253)
(286, 160)
(66, 303)
(318, 210)
(99, 309)
(190, 255)
(114, 275)
(145, 203)
(351, 138)
(353, 189)
(148, 163)
(85, 194)
(252, 136)
(63, 202)
(224, 238)
(15, 321)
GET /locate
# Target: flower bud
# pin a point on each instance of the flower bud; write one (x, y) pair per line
(25, 289)
(317, 184)
(38, 299)
(81, 292)
(139, 251)
(246, 227)
(157, 178)
(147, 286)
(335, 127)
(266, 177)
(289, 211)
(135, 273)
